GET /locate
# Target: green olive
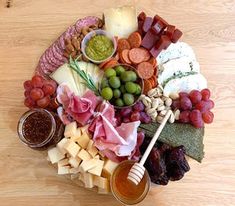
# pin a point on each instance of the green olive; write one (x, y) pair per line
(119, 102)
(119, 70)
(110, 72)
(128, 76)
(107, 93)
(130, 87)
(114, 82)
(128, 99)
(122, 89)
(104, 83)
(138, 89)
(116, 93)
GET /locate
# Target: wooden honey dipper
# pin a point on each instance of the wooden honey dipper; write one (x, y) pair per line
(137, 171)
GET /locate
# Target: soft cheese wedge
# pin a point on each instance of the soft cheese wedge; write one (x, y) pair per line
(64, 74)
(185, 84)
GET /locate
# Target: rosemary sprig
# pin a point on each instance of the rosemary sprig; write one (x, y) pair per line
(85, 76)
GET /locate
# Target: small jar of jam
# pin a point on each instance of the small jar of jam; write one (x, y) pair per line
(40, 128)
(126, 191)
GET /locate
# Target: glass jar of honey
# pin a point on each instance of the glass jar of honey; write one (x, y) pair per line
(126, 191)
(40, 128)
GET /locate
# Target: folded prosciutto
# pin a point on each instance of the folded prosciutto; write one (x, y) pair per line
(116, 143)
(75, 108)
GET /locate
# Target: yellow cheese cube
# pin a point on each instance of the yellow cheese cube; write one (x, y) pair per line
(83, 140)
(97, 157)
(63, 162)
(88, 180)
(98, 169)
(72, 148)
(84, 155)
(55, 155)
(93, 151)
(74, 161)
(88, 164)
(101, 182)
(70, 129)
(84, 128)
(90, 144)
(109, 167)
(77, 135)
(103, 191)
(63, 170)
(60, 145)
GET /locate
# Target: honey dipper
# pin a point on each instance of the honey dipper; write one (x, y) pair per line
(137, 171)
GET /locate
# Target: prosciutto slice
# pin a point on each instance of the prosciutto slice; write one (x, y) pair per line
(115, 143)
(75, 108)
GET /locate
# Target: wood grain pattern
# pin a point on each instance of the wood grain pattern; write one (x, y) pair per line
(28, 27)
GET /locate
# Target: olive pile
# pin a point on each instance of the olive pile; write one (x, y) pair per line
(120, 86)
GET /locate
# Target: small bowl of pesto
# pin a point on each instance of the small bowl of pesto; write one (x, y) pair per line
(98, 46)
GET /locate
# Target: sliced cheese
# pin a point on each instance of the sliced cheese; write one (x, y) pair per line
(74, 161)
(121, 21)
(79, 81)
(84, 155)
(64, 75)
(88, 180)
(83, 140)
(70, 129)
(55, 155)
(109, 167)
(63, 170)
(98, 169)
(61, 145)
(72, 148)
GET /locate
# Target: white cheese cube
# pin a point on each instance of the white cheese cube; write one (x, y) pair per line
(76, 135)
(72, 148)
(84, 155)
(60, 145)
(109, 167)
(88, 164)
(98, 169)
(74, 161)
(83, 140)
(55, 155)
(101, 182)
(88, 180)
(63, 170)
(63, 162)
(93, 151)
(70, 129)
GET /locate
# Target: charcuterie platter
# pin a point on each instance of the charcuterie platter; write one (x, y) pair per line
(99, 94)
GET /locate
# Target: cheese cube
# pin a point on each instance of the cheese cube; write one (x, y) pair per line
(90, 144)
(97, 157)
(101, 182)
(109, 167)
(70, 129)
(61, 145)
(88, 164)
(55, 155)
(81, 177)
(63, 162)
(98, 169)
(72, 148)
(74, 170)
(84, 128)
(63, 170)
(76, 135)
(93, 151)
(84, 155)
(74, 161)
(83, 140)
(103, 191)
(88, 180)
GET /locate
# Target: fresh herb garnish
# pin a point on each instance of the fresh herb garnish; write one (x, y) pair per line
(89, 83)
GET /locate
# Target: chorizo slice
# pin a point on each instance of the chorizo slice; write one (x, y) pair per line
(145, 70)
(135, 40)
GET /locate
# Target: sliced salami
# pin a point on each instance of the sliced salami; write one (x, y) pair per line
(58, 54)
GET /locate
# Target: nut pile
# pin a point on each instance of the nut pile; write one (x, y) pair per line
(73, 45)
(157, 105)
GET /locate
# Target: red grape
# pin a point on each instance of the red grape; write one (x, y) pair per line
(206, 94)
(198, 124)
(28, 102)
(195, 96)
(185, 103)
(36, 94)
(183, 94)
(126, 120)
(210, 104)
(52, 83)
(196, 118)
(203, 106)
(135, 116)
(139, 107)
(145, 118)
(175, 104)
(26, 93)
(48, 89)
(28, 85)
(126, 112)
(184, 117)
(44, 102)
(208, 117)
(37, 81)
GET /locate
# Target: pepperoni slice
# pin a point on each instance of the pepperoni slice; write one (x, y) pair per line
(124, 56)
(138, 55)
(145, 70)
(153, 61)
(135, 40)
(123, 44)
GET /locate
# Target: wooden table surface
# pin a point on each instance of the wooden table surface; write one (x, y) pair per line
(28, 27)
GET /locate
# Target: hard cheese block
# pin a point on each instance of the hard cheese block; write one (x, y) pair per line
(121, 21)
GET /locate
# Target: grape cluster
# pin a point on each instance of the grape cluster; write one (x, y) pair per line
(195, 107)
(131, 114)
(40, 93)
